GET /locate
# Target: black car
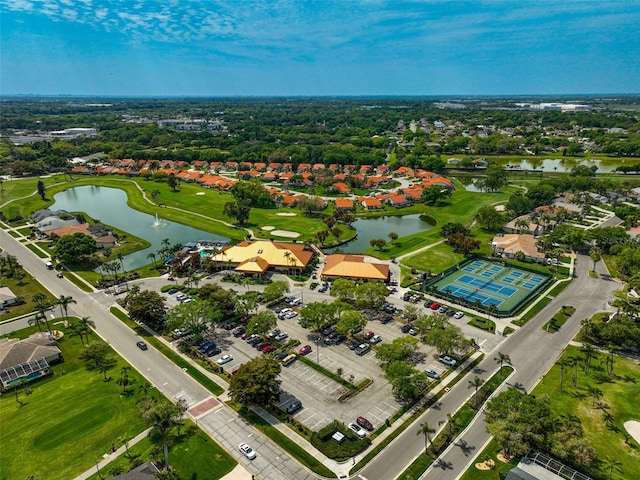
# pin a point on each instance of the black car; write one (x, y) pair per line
(355, 330)
(428, 303)
(171, 291)
(386, 319)
(261, 345)
(281, 355)
(255, 340)
(230, 325)
(406, 328)
(239, 331)
(328, 331)
(354, 345)
(141, 345)
(339, 338)
(294, 407)
(213, 351)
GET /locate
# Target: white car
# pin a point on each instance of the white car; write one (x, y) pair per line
(458, 315)
(247, 451)
(224, 359)
(358, 430)
(375, 339)
(447, 360)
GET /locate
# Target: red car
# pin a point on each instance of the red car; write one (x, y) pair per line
(435, 306)
(267, 349)
(304, 350)
(368, 335)
(364, 423)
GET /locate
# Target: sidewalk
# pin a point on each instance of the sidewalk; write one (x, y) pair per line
(341, 469)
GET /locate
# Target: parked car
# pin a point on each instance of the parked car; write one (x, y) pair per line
(339, 338)
(247, 451)
(406, 328)
(362, 349)
(447, 360)
(432, 373)
(180, 332)
(305, 350)
(230, 325)
(294, 406)
(141, 345)
(354, 345)
(358, 430)
(458, 314)
(268, 349)
(274, 332)
(435, 306)
(364, 423)
(239, 331)
(260, 345)
(281, 336)
(281, 355)
(368, 335)
(442, 309)
(375, 339)
(328, 331)
(224, 359)
(428, 303)
(171, 291)
(213, 352)
(355, 330)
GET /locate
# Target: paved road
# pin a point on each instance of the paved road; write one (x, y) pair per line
(532, 351)
(220, 423)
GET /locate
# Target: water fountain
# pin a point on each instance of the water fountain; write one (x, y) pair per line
(158, 223)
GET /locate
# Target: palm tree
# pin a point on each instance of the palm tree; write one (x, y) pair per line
(40, 299)
(586, 323)
(426, 430)
(562, 363)
(595, 393)
(476, 383)
(152, 256)
(144, 389)
(124, 380)
(85, 324)
(589, 352)
(452, 425)
(37, 320)
(162, 417)
(610, 463)
(64, 303)
(596, 255)
(502, 358)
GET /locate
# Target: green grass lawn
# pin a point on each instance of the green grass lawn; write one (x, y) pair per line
(69, 420)
(25, 288)
(621, 393)
(72, 418)
(192, 455)
(498, 472)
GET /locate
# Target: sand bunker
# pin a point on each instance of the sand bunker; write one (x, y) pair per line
(633, 427)
(286, 214)
(200, 193)
(268, 228)
(285, 233)
(488, 465)
(500, 208)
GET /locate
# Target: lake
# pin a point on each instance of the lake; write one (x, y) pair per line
(375, 228)
(109, 205)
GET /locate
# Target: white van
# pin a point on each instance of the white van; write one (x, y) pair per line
(288, 360)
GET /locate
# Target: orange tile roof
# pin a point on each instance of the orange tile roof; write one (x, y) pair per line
(354, 266)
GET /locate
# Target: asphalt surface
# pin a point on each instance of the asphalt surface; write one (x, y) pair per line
(532, 351)
(220, 423)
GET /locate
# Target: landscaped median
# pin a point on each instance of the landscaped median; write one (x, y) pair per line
(456, 424)
(427, 403)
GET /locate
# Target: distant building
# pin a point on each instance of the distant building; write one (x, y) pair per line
(354, 267)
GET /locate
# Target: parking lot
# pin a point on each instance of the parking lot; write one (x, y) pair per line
(318, 393)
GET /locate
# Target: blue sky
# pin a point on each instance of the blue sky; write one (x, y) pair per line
(318, 47)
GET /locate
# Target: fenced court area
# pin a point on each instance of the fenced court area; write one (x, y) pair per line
(488, 285)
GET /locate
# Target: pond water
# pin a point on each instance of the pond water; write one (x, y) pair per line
(564, 165)
(375, 228)
(109, 205)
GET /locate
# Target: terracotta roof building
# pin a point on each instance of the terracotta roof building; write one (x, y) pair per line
(354, 267)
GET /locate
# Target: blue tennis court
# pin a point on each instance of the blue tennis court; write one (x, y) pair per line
(486, 283)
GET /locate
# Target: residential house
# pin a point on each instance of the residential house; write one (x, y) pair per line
(370, 203)
(509, 244)
(398, 201)
(344, 204)
(341, 187)
(28, 358)
(7, 297)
